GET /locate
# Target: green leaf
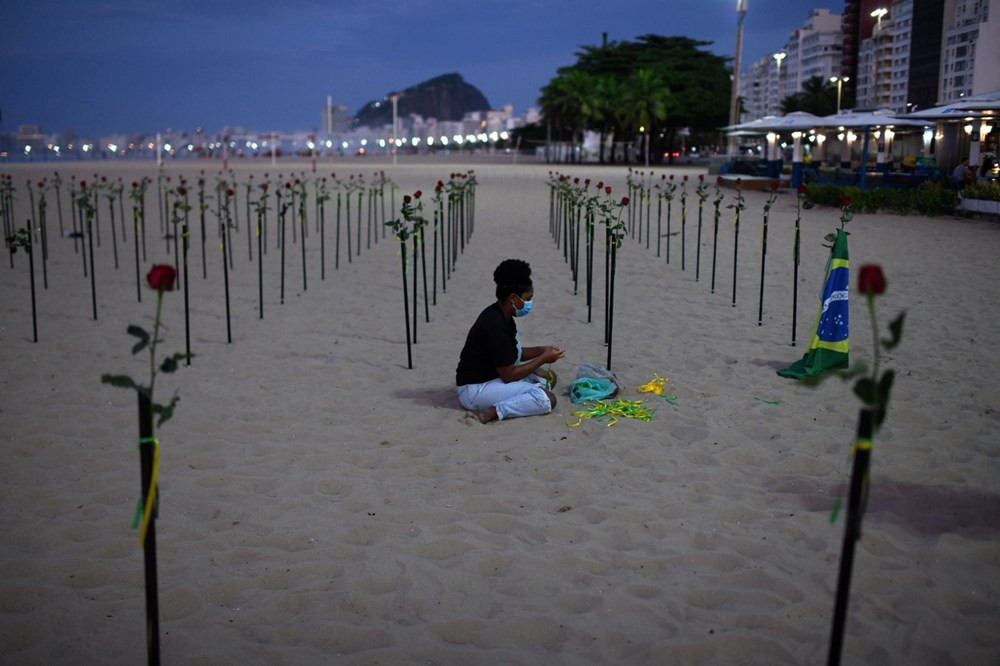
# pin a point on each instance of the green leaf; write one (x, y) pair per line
(865, 389)
(140, 333)
(896, 329)
(170, 363)
(165, 411)
(829, 238)
(121, 381)
(885, 387)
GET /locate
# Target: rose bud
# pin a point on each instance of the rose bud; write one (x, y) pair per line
(104, 179)
(288, 186)
(263, 186)
(161, 277)
(701, 177)
(416, 195)
(607, 190)
(406, 199)
(845, 202)
(576, 181)
(135, 184)
(600, 184)
(229, 192)
(440, 184)
(671, 176)
(774, 186)
(41, 184)
(586, 182)
(871, 280)
(719, 180)
(739, 181)
(685, 178)
(201, 182)
(624, 201)
(83, 184)
(182, 190)
(802, 188)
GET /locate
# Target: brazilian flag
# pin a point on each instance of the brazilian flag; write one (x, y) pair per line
(829, 346)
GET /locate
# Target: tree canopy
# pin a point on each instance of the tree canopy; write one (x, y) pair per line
(658, 83)
(818, 97)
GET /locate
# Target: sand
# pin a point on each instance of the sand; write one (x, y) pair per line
(322, 503)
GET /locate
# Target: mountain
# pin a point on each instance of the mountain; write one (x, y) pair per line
(446, 97)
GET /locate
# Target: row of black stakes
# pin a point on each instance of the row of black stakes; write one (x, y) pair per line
(86, 208)
(567, 216)
(454, 226)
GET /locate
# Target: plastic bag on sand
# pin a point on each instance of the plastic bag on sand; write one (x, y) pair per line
(593, 383)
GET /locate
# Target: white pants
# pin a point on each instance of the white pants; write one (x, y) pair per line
(525, 397)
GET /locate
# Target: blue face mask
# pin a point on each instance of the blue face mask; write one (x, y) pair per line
(524, 309)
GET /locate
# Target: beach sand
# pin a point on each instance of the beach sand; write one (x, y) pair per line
(322, 503)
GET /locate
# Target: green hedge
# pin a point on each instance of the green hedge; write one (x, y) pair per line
(987, 191)
(927, 199)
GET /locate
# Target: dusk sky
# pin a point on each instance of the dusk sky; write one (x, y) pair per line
(108, 66)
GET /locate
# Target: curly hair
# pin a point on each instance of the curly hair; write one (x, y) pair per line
(512, 276)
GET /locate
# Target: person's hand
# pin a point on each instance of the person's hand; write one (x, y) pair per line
(552, 354)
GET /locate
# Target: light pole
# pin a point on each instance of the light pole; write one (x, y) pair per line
(395, 101)
(876, 36)
(778, 57)
(839, 80)
(734, 100)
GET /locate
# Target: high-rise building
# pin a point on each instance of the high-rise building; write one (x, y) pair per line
(925, 53)
(970, 48)
(812, 50)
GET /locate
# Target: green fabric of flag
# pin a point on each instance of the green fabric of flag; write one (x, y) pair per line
(828, 349)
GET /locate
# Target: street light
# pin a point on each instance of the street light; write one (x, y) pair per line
(877, 15)
(839, 80)
(778, 57)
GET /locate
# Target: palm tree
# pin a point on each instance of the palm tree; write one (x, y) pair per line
(818, 96)
(569, 100)
(647, 98)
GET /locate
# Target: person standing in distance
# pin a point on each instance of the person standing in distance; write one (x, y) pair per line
(497, 378)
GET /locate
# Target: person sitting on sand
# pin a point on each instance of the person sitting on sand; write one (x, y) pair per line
(497, 378)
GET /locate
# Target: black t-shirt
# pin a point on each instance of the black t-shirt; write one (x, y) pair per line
(491, 344)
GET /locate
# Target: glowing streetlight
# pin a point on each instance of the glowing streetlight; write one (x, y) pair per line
(839, 80)
(778, 57)
(877, 15)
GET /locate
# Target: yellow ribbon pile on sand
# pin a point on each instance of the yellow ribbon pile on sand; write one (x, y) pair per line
(655, 385)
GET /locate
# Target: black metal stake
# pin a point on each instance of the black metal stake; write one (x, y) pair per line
(857, 498)
(146, 457)
(187, 307)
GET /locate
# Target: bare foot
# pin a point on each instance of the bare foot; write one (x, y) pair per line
(484, 415)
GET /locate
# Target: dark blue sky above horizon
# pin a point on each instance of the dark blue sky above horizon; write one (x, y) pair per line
(124, 66)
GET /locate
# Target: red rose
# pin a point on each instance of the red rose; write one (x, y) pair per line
(586, 182)
(201, 181)
(161, 277)
(607, 190)
(701, 177)
(135, 184)
(739, 181)
(671, 176)
(182, 190)
(600, 184)
(406, 198)
(774, 186)
(104, 179)
(288, 186)
(439, 187)
(845, 201)
(719, 180)
(229, 192)
(576, 181)
(802, 188)
(624, 201)
(297, 181)
(871, 280)
(83, 184)
(440, 184)
(41, 184)
(416, 195)
(685, 179)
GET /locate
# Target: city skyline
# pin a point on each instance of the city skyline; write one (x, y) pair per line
(122, 67)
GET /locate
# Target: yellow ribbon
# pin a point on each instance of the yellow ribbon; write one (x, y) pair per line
(655, 385)
(147, 506)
